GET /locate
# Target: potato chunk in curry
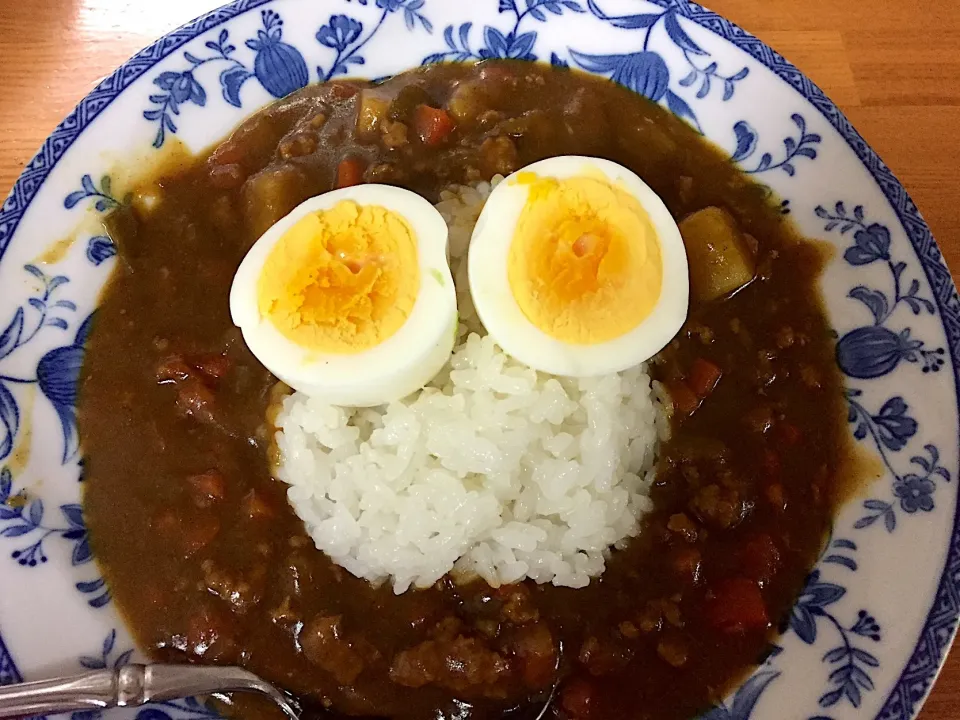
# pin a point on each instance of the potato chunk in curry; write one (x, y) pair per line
(720, 258)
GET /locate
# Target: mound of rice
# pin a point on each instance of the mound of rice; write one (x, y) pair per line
(493, 469)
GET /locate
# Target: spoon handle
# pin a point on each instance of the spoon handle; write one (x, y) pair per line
(90, 691)
(127, 686)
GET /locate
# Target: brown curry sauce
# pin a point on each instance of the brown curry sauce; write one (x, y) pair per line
(209, 564)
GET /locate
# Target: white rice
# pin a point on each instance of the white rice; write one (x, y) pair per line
(493, 469)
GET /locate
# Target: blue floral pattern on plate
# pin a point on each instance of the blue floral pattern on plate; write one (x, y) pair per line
(892, 300)
(56, 372)
(345, 35)
(801, 145)
(278, 67)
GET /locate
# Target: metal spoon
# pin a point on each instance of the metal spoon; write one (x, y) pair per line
(136, 685)
(132, 686)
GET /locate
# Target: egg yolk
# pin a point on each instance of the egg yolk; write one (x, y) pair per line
(341, 280)
(584, 263)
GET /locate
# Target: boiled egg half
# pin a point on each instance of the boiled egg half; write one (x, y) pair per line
(577, 268)
(349, 298)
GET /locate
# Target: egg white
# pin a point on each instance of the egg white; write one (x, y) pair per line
(505, 321)
(400, 365)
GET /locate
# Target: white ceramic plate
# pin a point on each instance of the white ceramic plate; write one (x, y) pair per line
(868, 634)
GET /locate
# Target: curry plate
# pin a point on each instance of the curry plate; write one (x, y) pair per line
(868, 634)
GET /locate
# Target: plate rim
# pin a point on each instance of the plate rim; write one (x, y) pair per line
(932, 646)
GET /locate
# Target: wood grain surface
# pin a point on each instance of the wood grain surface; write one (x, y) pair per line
(892, 67)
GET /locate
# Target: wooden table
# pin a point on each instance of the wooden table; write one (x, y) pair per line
(893, 67)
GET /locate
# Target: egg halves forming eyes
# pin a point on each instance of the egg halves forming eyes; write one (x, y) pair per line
(349, 298)
(577, 268)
